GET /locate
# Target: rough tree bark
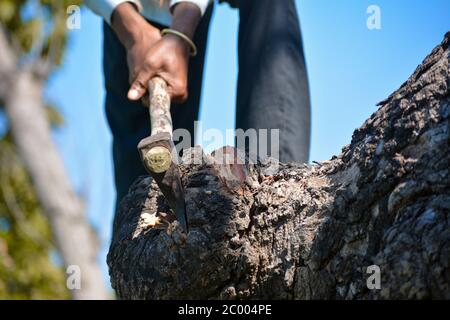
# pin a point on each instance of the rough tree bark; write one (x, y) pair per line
(21, 95)
(307, 232)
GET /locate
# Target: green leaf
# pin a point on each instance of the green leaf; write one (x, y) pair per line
(54, 117)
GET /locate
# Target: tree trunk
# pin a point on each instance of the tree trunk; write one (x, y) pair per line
(293, 231)
(74, 238)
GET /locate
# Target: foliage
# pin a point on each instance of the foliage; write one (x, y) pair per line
(37, 27)
(26, 270)
(37, 32)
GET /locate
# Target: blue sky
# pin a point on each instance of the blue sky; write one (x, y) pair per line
(350, 67)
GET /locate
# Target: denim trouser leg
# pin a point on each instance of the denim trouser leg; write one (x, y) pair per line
(129, 121)
(272, 85)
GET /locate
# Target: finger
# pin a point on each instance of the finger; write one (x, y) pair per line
(178, 91)
(132, 76)
(180, 98)
(137, 90)
(139, 86)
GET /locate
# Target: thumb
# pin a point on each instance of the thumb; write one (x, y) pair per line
(139, 86)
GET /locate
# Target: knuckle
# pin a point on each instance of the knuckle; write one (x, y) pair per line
(143, 78)
(150, 63)
(139, 83)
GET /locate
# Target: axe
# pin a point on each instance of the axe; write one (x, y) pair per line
(158, 153)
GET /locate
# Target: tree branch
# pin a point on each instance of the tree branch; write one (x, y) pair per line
(21, 93)
(8, 62)
(307, 232)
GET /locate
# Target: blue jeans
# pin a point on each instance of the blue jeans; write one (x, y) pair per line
(272, 90)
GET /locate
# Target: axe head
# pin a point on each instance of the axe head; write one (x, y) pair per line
(160, 158)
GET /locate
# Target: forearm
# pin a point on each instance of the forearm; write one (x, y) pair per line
(185, 18)
(128, 24)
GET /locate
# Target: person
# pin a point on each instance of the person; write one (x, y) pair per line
(272, 89)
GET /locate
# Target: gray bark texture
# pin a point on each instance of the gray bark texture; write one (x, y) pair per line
(292, 231)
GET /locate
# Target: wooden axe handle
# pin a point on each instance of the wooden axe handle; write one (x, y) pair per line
(159, 106)
(159, 158)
